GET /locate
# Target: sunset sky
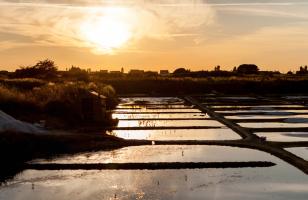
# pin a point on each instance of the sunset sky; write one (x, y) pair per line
(154, 34)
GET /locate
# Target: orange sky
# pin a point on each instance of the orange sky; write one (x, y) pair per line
(153, 35)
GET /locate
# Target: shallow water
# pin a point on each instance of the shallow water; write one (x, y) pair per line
(278, 182)
(165, 153)
(151, 100)
(172, 123)
(181, 134)
(284, 137)
(266, 116)
(267, 111)
(158, 110)
(299, 151)
(261, 106)
(137, 106)
(282, 181)
(273, 125)
(160, 115)
(296, 97)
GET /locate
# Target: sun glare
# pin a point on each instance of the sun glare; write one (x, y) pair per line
(107, 32)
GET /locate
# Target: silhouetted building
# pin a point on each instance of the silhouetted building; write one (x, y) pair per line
(4, 74)
(164, 72)
(302, 70)
(151, 74)
(136, 72)
(114, 72)
(103, 71)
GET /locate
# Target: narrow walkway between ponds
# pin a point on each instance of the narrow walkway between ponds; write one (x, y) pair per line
(250, 140)
(147, 166)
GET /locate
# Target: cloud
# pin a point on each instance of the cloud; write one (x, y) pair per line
(180, 22)
(57, 23)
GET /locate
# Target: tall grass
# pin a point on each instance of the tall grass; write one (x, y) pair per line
(60, 101)
(23, 83)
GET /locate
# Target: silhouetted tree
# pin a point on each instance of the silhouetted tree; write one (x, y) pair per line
(77, 74)
(247, 69)
(180, 71)
(45, 69)
(290, 73)
(217, 68)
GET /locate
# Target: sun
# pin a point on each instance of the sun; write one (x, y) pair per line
(107, 32)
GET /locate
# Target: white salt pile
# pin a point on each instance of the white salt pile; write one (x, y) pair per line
(9, 123)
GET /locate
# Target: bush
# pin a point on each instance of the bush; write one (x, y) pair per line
(45, 69)
(60, 102)
(23, 83)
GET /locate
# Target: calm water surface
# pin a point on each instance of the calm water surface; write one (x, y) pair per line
(278, 182)
(179, 134)
(281, 181)
(284, 136)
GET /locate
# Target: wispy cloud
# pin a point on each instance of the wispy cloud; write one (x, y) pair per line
(58, 24)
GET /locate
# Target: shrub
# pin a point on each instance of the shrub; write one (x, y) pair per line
(62, 102)
(45, 69)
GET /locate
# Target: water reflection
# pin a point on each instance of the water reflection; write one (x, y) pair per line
(159, 115)
(154, 123)
(165, 153)
(151, 100)
(260, 106)
(181, 134)
(300, 151)
(268, 111)
(267, 116)
(281, 181)
(284, 136)
(157, 110)
(273, 125)
(157, 106)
